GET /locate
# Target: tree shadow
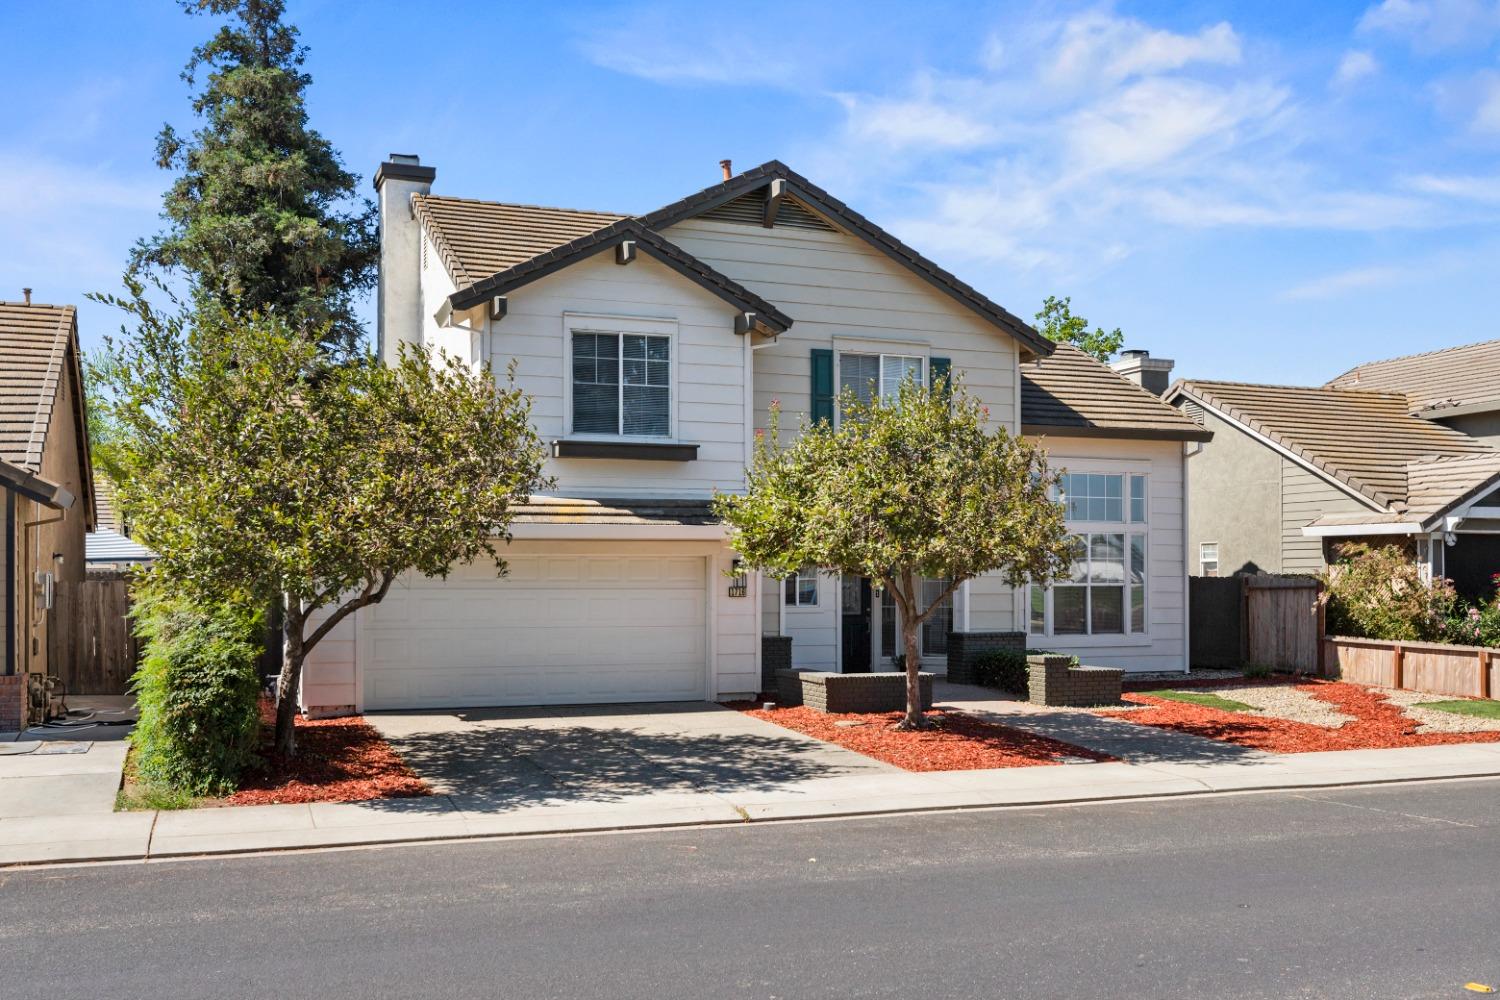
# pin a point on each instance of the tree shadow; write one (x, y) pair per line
(518, 765)
(1127, 740)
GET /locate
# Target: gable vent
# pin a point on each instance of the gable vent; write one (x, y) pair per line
(1193, 410)
(747, 210)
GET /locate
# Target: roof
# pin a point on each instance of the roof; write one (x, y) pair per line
(648, 242)
(34, 487)
(479, 238)
(1368, 441)
(482, 239)
(1073, 394)
(109, 546)
(565, 510)
(34, 342)
(1437, 485)
(1466, 376)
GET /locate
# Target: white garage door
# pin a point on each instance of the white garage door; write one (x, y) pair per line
(559, 629)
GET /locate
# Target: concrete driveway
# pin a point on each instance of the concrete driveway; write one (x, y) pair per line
(656, 754)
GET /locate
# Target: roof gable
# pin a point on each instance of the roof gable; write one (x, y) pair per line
(1072, 393)
(847, 219)
(476, 239)
(1363, 440)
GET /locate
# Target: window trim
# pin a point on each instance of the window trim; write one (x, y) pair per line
(1203, 560)
(601, 323)
(791, 588)
(881, 349)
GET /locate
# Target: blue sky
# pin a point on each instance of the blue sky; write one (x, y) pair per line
(1264, 192)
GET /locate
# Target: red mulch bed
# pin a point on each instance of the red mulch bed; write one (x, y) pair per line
(337, 760)
(957, 742)
(1377, 724)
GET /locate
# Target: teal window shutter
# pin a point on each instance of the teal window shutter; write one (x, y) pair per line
(937, 372)
(822, 384)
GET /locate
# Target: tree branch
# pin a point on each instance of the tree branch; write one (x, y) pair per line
(370, 595)
(947, 592)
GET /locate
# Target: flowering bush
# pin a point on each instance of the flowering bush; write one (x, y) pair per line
(1379, 594)
(1476, 624)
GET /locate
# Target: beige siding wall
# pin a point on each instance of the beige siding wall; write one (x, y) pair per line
(1304, 498)
(1235, 490)
(843, 294)
(710, 383)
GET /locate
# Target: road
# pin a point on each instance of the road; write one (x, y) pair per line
(1386, 892)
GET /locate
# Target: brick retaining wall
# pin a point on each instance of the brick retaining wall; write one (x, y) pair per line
(966, 647)
(1053, 680)
(841, 693)
(775, 655)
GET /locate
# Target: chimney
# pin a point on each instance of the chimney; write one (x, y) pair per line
(725, 165)
(1152, 374)
(398, 297)
(27, 293)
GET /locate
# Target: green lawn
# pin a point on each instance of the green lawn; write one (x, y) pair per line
(1478, 709)
(1202, 698)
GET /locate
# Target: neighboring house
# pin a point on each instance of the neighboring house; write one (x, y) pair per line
(45, 484)
(109, 549)
(1392, 451)
(653, 347)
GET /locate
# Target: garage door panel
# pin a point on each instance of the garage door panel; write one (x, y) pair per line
(563, 629)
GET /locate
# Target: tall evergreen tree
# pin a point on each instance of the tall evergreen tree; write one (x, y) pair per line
(263, 217)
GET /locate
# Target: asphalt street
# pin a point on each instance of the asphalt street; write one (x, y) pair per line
(1386, 892)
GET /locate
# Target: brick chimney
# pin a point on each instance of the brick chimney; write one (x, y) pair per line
(1152, 374)
(398, 299)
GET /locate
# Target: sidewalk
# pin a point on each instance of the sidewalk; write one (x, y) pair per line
(144, 835)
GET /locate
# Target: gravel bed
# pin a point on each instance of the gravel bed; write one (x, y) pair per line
(1283, 701)
(1177, 676)
(1431, 720)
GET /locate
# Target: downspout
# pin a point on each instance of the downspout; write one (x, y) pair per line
(10, 583)
(1188, 451)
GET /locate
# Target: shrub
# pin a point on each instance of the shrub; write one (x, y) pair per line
(198, 693)
(1002, 668)
(1378, 594)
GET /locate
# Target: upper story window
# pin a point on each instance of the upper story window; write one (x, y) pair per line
(1106, 592)
(622, 384)
(868, 374)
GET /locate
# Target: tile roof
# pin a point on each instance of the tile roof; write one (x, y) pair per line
(34, 342)
(1366, 440)
(566, 510)
(479, 238)
(1436, 380)
(648, 242)
(1073, 394)
(1436, 485)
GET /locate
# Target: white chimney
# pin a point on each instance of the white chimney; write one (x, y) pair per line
(398, 302)
(1152, 374)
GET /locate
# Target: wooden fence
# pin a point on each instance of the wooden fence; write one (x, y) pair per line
(89, 641)
(1282, 623)
(1432, 667)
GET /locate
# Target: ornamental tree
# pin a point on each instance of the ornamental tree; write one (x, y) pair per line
(1057, 323)
(258, 467)
(916, 487)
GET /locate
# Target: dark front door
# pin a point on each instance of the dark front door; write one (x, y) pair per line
(854, 595)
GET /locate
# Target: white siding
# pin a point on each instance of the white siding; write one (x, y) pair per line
(837, 286)
(709, 374)
(814, 630)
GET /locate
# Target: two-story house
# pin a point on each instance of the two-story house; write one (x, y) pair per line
(653, 347)
(1398, 451)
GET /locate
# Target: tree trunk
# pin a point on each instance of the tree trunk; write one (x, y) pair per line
(292, 653)
(915, 719)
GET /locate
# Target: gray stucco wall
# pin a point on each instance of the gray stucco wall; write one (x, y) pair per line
(1234, 498)
(1484, 426)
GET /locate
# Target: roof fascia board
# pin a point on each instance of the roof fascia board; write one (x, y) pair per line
(1143, 433)
(34, 487)
(1468, 409)
(1280, 449)
(1347, 530)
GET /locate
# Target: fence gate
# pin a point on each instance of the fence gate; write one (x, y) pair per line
(89, 641)
(1283, 622)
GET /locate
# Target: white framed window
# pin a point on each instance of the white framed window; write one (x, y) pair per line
(802, 588)
(1208, 558)
(1107, 591)
(867, 375)
(622, 384)
(932, 638)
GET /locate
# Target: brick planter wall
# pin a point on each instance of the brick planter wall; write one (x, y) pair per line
(775, 655)
(840, 693)
(12, 702)
(966, 647)
(1054, 681)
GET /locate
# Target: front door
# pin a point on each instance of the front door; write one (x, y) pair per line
(854, 597)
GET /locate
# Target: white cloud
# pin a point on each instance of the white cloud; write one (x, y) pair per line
(1468, 187)
(1356, 65)
(1433, 25)
(1341, 283)
(650, 43)
(915, 122)
(1487, 114)
(1101, 48)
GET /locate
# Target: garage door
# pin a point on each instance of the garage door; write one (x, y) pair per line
(559, 629)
